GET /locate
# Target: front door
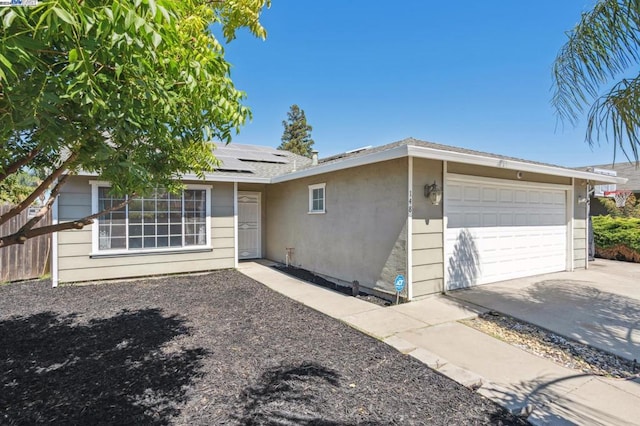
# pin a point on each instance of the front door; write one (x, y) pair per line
(249, 225)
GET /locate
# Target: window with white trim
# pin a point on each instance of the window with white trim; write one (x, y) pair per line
(160, 221)
(317, 198)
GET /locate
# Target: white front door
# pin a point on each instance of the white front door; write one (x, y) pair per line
(249, 225)
(500, 230)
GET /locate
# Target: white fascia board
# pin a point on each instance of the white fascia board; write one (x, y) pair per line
(501, 163)
(376, 157)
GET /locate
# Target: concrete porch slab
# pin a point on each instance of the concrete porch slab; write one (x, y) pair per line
(438, 309)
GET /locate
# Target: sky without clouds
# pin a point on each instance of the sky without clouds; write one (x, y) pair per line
(468, 73)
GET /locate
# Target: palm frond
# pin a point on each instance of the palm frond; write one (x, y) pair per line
(616, 115)
(605, 43)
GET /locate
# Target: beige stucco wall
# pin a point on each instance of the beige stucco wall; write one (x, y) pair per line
(427, 229)
(74, 247)
(579, 225)
(363, 234)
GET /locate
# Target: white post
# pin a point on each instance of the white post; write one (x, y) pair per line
(54, 245)
(410, 231)
(444, 224)
(235, 224)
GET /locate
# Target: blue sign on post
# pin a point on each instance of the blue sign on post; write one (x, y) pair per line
(399, 283)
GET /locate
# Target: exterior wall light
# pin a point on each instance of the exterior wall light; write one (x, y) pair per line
(582, 199)
(433, 193)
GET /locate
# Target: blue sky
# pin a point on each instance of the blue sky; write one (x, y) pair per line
(475, 74)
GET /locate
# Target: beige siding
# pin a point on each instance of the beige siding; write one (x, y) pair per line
(74, 247)
(362, 235)
(427, 224)
(579, 226)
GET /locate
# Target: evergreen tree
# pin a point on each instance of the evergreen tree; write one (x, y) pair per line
(297, 133)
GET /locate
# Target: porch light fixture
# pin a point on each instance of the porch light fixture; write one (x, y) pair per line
(433, 193)
(582, 199)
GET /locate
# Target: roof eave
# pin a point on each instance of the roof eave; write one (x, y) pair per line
(481, 160)
(390, 154)
(210, 178)
(444, 155)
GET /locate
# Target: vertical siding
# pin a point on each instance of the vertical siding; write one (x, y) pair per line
(427, 250)
(362, 235)
(74, 247)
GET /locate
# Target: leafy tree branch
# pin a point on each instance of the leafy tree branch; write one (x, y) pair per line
(136, 90)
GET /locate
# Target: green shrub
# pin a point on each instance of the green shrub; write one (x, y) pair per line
(617, 238)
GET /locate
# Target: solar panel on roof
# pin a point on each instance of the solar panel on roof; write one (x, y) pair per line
(252, 153)
(230, 163)
(262, 156)
(243, 147)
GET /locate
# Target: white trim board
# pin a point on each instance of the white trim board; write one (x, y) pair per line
(444, 155)
(410, 229)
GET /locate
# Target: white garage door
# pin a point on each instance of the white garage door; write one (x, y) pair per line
(502, 230)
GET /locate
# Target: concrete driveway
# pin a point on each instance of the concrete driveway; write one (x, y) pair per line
(599, 306)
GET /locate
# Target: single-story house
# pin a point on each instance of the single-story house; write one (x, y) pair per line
(442, 217)
(628, 170)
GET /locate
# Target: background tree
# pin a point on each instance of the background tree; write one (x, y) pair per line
(603, 46)
(17, 187)
(631, 207)
(297, 133)
(130, 90)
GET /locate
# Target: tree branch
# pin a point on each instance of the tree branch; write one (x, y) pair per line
(18, 164)
(24, 234)
(47, 207)
(46, 183)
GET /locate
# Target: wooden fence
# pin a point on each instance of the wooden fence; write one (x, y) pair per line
(28, 260)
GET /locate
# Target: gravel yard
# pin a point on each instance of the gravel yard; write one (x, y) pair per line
(563, 351)
(214, 349)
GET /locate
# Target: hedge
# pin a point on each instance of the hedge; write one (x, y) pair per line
(617, 238)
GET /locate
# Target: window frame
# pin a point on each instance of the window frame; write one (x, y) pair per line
(95, 228)
(322, 186)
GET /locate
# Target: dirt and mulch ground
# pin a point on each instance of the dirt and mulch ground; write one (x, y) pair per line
(214, 349)
(308, 276)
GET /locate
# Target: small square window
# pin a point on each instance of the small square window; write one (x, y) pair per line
(317, 198)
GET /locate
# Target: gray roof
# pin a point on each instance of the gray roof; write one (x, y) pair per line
(416, 142)
(255, 162)
(631, 171)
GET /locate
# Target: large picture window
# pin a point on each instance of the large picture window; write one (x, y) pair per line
(160, 221)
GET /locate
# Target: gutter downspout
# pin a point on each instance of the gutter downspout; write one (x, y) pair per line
(54, 245)
(235, 225)
(410, 231)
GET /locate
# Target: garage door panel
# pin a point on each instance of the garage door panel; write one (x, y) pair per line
(503, 233)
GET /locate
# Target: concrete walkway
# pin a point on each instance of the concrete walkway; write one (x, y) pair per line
(429, 330)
